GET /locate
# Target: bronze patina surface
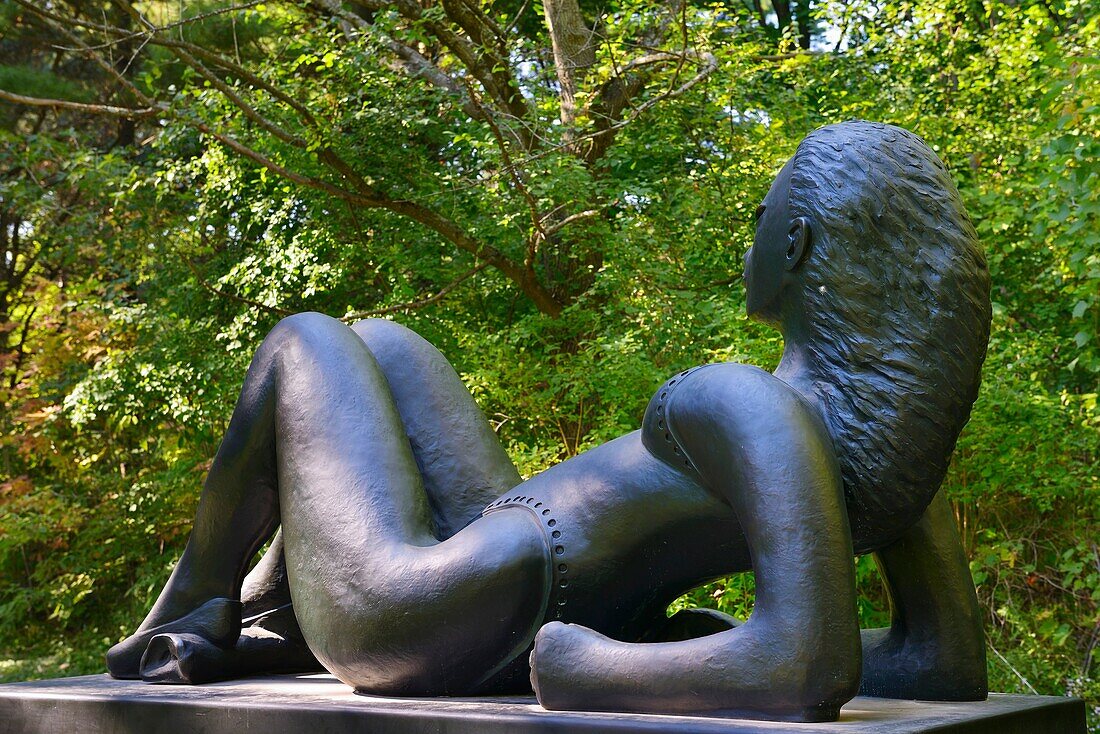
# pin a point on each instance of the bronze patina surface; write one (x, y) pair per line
(413, 561)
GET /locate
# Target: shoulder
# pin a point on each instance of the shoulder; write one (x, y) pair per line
(744, 405)
(733, 388)
(734, 420)
(727, 402)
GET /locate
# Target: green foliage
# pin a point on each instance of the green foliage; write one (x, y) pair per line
(28, 80)
(144, 261)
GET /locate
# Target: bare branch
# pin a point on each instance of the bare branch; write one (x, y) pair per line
(242, 73)
(249, 111)
(131, 35)
(572, 218)
(412, 61)
(420, 303)
(601, 139)
(60, 25)
(657, 57)
(123, 34)
(473, 21)
(151, 36)
(519, 14)
(489, 68)
(95, 109)
(208, 14)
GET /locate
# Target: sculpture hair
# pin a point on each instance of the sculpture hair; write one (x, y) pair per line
(896, 293)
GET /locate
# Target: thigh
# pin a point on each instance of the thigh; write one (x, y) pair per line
(462, 463)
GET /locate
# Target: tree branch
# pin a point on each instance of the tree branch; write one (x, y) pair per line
(60, 25)
(152, 36)
(573, 50)
(414, 63)
(95, 109)
(617, 96)
(559, 226)
(492, 71)
(228, 92)
(421, 303)
(361, 193)
(539, 295)
(540, 233)
(233, 296)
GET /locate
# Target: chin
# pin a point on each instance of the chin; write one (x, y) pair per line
(763, 315)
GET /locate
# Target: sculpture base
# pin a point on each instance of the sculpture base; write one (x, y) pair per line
(320, 703)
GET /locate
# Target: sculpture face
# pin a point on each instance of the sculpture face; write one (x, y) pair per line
(766, 262)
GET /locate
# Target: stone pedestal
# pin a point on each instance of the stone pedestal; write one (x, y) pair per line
(319, 704)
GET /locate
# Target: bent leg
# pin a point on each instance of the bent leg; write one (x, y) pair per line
(461, 462)
(237, 512)
(934, 648)
(317, 414)
(382, 603)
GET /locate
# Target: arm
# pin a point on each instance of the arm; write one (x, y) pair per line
(758, 446)
(934, 648)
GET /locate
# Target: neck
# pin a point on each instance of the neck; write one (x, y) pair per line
(794, 366)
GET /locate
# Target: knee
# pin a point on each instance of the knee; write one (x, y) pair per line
(398, 348)
(390, 339)
(301, 324)
(298, 330)
(381, 329)
(298, 334)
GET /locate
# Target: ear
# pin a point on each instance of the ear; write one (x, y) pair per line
(798, 242)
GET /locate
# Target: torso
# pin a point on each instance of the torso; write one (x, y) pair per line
(630, 525)
(629, 529)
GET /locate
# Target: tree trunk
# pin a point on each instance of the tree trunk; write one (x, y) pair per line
(782, 13)
(573, 51)
(802, 18)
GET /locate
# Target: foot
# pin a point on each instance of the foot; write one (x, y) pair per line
(179, 658)
(218, 622)
(190, 659)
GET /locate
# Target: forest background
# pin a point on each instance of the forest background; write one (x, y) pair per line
(559, 196)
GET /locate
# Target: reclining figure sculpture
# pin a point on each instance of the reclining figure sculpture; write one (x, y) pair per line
(413, 561)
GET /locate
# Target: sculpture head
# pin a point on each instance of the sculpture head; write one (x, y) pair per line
(781, 244)
(867, 261)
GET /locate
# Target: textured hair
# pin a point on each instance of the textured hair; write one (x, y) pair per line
(896, 293)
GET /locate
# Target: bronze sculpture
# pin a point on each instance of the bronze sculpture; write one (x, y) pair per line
(417, 562)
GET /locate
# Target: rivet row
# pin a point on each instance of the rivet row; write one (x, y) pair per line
(560, 584)
(661, 416)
